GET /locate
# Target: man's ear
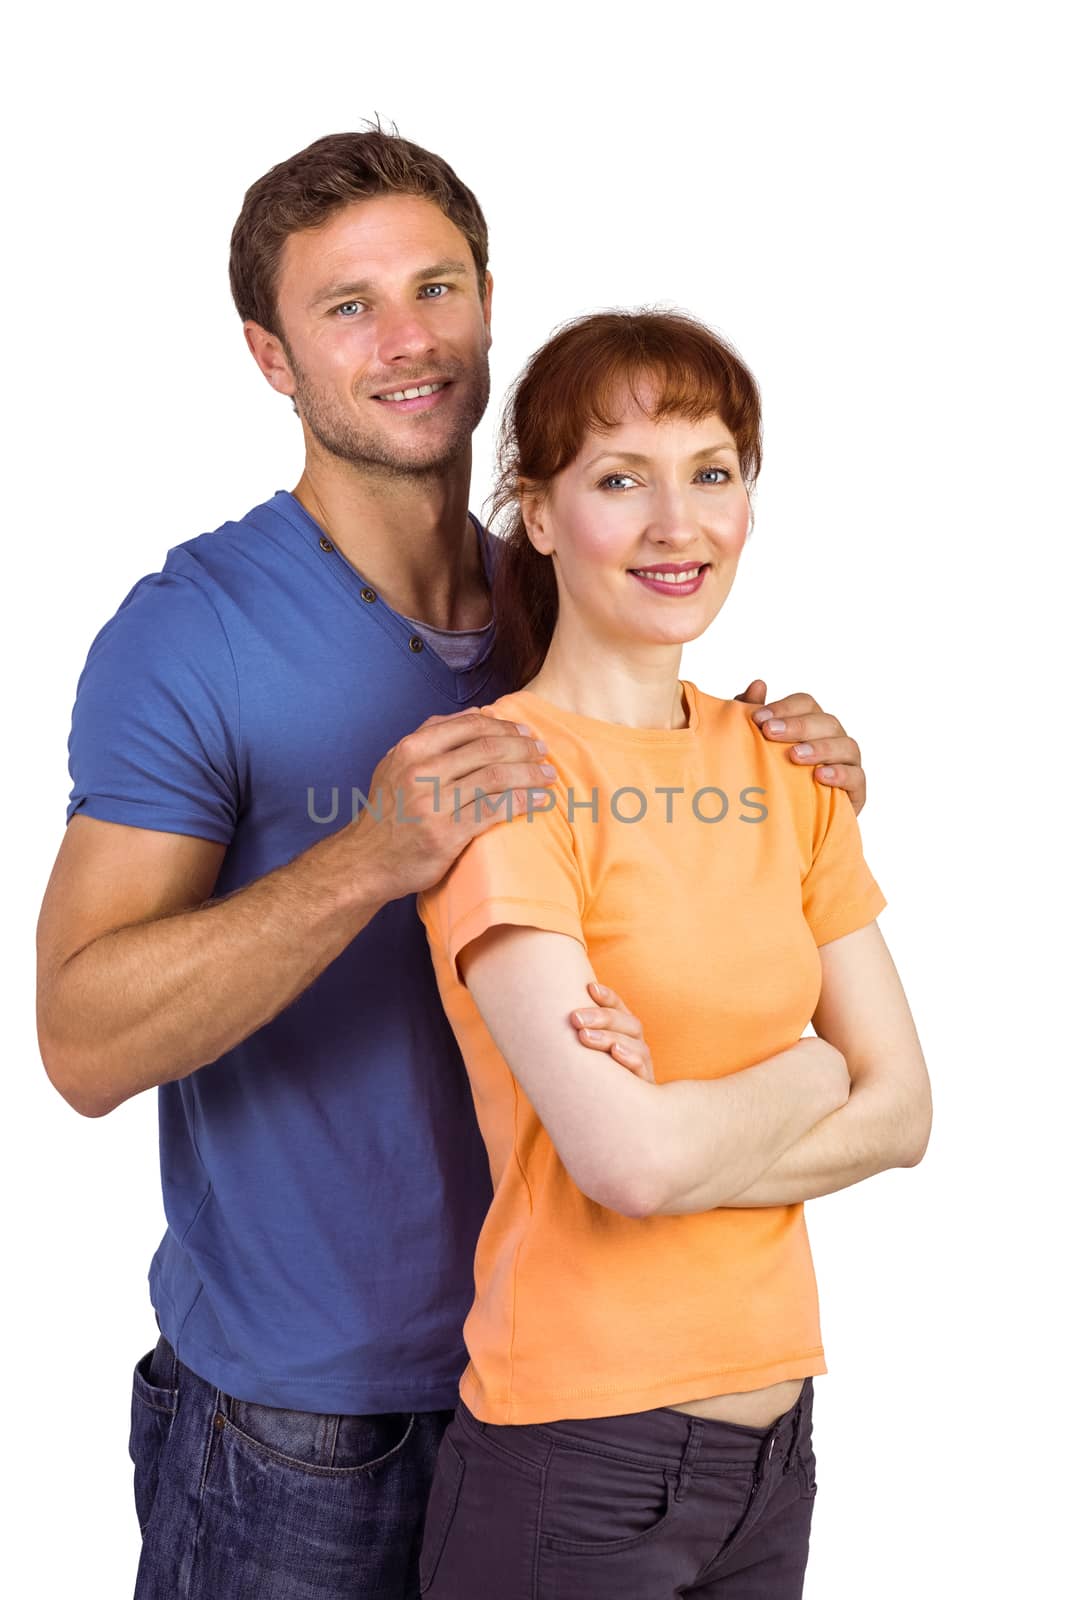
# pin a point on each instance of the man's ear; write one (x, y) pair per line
(269, 355)
(487, 308)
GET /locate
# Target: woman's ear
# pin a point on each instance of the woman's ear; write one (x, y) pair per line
(533, 504)
(751, 513)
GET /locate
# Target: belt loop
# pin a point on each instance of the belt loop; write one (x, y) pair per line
(692, 1450)
(798, 1422)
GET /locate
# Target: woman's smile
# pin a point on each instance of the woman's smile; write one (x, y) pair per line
(673, 581)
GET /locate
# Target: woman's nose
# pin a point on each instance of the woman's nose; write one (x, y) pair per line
(674, 520)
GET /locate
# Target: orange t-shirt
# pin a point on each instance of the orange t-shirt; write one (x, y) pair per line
(707, 926)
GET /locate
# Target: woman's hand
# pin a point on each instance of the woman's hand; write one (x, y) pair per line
(610, 1027)
(825, 1060)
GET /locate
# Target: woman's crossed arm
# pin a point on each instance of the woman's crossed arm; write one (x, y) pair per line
(772, 1134)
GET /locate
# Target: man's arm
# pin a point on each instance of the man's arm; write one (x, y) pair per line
(628, 1144)
(141, 979)
(886, 1121)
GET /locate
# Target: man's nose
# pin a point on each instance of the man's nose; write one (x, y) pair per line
(403, 334)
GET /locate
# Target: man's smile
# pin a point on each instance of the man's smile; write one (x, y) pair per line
(419, 396)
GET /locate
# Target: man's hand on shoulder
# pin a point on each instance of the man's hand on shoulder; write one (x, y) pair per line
(817, 739)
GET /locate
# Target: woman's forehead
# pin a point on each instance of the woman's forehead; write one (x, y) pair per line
(635, 428)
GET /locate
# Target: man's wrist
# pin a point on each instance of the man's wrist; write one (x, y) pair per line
(367, 883)
(356, 884)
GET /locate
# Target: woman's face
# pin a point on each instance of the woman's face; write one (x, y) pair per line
(644, 494)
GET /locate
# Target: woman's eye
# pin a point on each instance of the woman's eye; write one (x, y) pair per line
(614, 478)
(721, 474)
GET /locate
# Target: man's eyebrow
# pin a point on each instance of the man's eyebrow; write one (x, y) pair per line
(642, 461)
(447, 268)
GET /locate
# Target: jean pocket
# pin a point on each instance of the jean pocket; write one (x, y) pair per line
(318, 1442)
(440, 1509)
(152, 1411)
(598, 1505)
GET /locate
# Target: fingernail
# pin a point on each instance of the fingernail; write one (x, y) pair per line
(803, 749)
(762, 714)
(592, 1033)
(583, 1016)
(523, 728)
(540, 798)
(540, 746)
(825, 772)
(549, 770)
(775, 726)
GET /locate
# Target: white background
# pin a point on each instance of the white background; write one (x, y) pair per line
(862, 200)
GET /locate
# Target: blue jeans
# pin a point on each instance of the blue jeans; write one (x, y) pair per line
(238, 1501)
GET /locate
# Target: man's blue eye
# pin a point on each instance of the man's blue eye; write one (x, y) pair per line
(347, 306)
(429, 286)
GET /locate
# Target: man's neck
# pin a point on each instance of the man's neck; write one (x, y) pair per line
(411, 538)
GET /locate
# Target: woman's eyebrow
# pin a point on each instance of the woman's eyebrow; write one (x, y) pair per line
(637, 460)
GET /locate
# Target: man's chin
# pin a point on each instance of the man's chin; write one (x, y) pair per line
(382, 458)
(419, 463)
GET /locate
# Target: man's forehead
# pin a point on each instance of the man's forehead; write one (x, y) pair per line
(388, 238)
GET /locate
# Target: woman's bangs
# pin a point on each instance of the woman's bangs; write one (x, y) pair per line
(660, 387)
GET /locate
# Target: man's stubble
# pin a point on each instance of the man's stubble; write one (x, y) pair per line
(336, 432)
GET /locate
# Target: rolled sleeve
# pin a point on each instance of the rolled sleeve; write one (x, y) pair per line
(155, 728)
(523, 871)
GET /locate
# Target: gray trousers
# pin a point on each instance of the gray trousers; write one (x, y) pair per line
(646, 1506)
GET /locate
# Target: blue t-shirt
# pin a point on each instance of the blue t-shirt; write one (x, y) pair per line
(325, 1181)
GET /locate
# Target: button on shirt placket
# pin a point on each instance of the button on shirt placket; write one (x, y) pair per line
(368, 594)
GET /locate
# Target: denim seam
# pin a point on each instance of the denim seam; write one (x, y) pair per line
(212, 1437)
(164, 1411)
(314, 1469)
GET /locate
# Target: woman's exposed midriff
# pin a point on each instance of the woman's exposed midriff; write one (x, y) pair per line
(756, 1408)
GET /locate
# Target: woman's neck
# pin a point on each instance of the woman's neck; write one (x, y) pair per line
(635, 696)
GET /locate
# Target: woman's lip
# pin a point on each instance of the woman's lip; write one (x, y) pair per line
(666, 586)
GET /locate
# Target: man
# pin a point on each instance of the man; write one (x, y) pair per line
(228, 922)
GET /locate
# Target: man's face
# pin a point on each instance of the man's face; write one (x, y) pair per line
(381, 298)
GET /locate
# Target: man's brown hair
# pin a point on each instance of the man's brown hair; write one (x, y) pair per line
(305, 190)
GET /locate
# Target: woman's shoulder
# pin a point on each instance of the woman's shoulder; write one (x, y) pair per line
(725, 719)
(729, 730)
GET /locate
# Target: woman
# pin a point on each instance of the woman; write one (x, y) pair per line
(635, 1419)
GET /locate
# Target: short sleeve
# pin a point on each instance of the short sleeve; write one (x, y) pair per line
(839, 891)
(155, 725)
(523, 871)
